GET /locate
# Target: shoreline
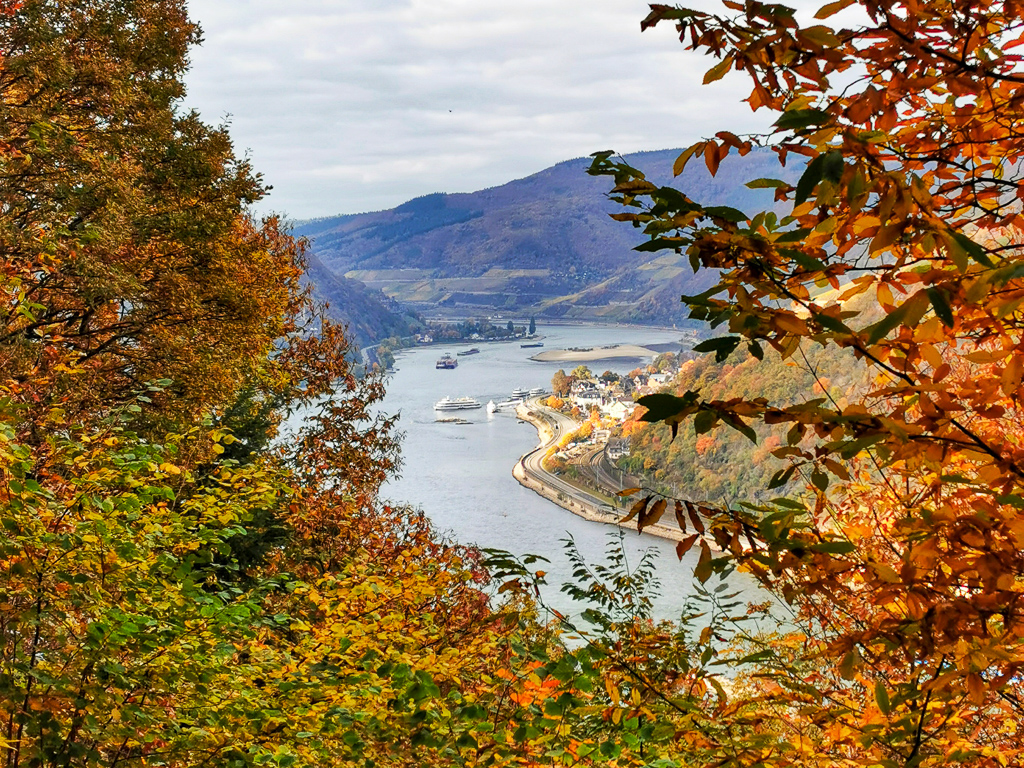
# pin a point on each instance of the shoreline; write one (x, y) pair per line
(578, 502)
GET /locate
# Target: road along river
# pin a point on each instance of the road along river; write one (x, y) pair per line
(530, 472)
(461, 474)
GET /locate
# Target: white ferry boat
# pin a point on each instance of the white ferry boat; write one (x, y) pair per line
(519, 393)
(456, 404)
(504, 405)
(536, 392)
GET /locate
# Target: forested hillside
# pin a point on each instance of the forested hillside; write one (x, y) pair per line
(367, 313)
(542, 245)
(726, 467)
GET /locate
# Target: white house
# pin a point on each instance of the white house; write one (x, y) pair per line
(587, 398)
(619, 409)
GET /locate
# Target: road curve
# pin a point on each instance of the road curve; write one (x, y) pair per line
(532, 462)
(530, 472)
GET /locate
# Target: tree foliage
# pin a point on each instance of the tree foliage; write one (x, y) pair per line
(181, 586)
(905, 570)
(127, 256)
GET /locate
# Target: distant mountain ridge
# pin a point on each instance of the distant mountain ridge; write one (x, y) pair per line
(541, 245)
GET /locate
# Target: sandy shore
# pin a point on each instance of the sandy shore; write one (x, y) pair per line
(598, 353)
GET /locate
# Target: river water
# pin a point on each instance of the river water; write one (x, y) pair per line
(461, 475)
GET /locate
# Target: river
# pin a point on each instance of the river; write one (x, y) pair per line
(461, 475)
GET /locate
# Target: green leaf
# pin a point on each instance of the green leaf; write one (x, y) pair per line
(881, 329)
(793, 236)
(819, 480)
(810, 178)
(725, 212)
(661, 244)
(807, 262)
(882, 697)
(797, 119)
(766, 184)
(704, 421)
(661, 405)
(940, 303)
(833, 547)
(832, 167)
(853, 447)
(781, 477)
(831, 323)
(972, 248)
(723, 346)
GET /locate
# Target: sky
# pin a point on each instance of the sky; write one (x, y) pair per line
(347, 106)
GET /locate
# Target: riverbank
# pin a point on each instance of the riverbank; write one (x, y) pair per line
(531, 474)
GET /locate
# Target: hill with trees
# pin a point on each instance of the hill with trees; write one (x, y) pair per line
(726, 467)
(543, 245)
(367, 313)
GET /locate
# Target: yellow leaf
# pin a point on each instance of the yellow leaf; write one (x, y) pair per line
(976, 688)
(718, 71)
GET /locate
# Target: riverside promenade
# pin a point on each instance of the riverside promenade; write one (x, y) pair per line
(530, 472)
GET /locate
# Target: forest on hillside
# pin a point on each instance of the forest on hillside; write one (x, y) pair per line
(185, 583)
(725, 467)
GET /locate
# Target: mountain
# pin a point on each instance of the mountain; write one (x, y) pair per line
(540, 245)
(369, 314)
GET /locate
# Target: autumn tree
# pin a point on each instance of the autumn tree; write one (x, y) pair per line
(178, 584)
(904, 566)
(560, 383)
(582, 373)
(128, 255)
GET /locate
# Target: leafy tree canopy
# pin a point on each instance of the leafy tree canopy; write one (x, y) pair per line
(904, 568)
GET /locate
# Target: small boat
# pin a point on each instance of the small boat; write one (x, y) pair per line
(473, 351)
(456, 404)
(531, 345)
(446, 361)
(504, 405)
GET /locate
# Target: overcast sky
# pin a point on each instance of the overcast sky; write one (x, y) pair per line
(358, 105)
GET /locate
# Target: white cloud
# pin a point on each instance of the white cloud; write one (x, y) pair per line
(353, 105)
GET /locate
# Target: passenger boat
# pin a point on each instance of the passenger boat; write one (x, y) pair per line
(537, 392)
(446, 361)
(456, 404)
(493, 407)
(519, 393)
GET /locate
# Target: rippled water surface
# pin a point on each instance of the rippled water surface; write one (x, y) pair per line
(461, 475)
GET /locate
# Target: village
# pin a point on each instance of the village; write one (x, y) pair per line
(602, 406)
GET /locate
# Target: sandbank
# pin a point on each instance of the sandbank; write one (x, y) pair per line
(590, 355)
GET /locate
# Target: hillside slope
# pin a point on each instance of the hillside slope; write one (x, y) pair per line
(540, 245)
(369, 314)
